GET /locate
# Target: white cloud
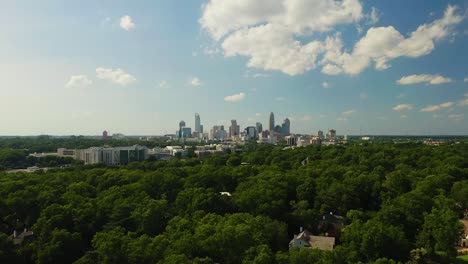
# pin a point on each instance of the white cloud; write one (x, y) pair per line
(463, 102)
(436, 116)
(261, 75)
(402, 107)
(383, 44)
(423, 78)
(271, 32)
(301, 16)
(465, 80)
(117, 76)
(306, 118)
(466, 94)
(127, 23)
(456, 116)
(325, 85)
(404, 116)
(348, 112)
(331, 69)
(374, 16)
(363, 96)
(341, 119)
(163, 84)
(266, 30)
(431, 108)
(280, 99)
(235, 98)
(258, 114)
(195, 82)
(78, 81)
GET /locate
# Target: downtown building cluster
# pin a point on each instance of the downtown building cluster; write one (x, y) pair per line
(273, 134)
(234, 133)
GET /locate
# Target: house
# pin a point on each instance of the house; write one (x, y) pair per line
(27, 235)
(305, 239)
(463, 242)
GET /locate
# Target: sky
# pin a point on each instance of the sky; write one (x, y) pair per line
(139, 67)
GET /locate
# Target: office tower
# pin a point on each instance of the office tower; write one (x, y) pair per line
(186, 132)
(201, 129)
(218, 133)
(251, 132)
(181, 125)
(197, 123)
(234, 129)
(272, 122)
(259, 127)
(320, 134)
(331, 133)
(286, 127)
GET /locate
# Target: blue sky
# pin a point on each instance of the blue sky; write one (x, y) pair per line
(139, 67)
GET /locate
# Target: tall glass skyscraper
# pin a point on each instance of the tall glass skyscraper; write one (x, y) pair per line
(272, 122)
(197, 123)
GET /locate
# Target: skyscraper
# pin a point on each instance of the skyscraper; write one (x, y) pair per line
(272, 122)
(234, 129)
(197, 123)
(181, 125)
(259, 127)
(286, 127)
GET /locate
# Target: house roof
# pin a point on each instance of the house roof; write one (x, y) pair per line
(465, 224)
(319, 242)
(322, 242)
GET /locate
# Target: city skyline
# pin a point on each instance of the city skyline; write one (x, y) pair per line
(365, 67)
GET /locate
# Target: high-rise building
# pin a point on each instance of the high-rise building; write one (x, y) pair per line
(320, 134)
(251, 132)
(286, 127)
(197, 123)
(259, 127)
(218, 133)
(272, 122)
(331, 133)
(234, 129)
(181, 125)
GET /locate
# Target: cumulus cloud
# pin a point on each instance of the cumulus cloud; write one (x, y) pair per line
(348, 112)
(280, 99)
(235, 98)
(261, 75)
(404, 116)
(325, 85)
(117, 76)
(270, 34)
(465, 80)
(195, 82)
(432, 108)
(456, 116)
(341, 119)
(266, 30)
(126, 23)
(380, 45)
(423, 78)
(78, 81)
(402, 107)
(258, 114)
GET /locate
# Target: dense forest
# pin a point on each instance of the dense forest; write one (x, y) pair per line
(401, 204)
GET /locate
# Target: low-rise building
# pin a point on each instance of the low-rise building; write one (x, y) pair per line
(305, 239)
